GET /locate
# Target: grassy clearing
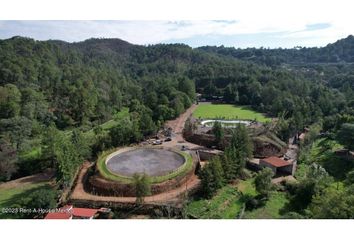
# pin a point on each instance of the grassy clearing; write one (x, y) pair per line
(111, 123)
(228, 111)
(226, 204)
(12, 197)
(34, 153)
(272, 208)
(182, 170)
(247, 187)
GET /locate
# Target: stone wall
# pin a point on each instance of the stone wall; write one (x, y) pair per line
(290, 169)
(265, 164)
(208, 155)
(205, 140)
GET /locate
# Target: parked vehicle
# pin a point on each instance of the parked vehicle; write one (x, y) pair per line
(157, 142)
(184, 148)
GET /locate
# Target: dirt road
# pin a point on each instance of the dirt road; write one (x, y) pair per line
(20, 182)
(177, 126)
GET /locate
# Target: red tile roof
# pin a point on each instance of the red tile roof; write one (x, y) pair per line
(58, 215)
(84, 212)
(276, 162)
(68, 212)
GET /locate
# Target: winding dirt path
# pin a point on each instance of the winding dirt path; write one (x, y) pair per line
(177, 126)
(21, 182)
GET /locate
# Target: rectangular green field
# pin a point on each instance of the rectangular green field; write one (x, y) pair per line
(228, 111)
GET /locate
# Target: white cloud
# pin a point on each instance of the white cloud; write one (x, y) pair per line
(287, 20)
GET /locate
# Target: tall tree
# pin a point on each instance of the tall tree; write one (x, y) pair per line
(237, 153)
(212, 177)
(263, 181)
(142, 186)
(8, 160)
(68, 160)
(81, 144)
(187, 86)
(17, 129)
(10, 99)
(49, 142)
(346, 135)
(218, 132)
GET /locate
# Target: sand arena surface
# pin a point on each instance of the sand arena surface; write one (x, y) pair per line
(154, 162)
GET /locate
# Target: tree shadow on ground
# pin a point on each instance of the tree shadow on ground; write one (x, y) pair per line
(18, 201)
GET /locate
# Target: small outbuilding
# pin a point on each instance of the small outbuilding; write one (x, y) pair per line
(70, 212)
(279, 166)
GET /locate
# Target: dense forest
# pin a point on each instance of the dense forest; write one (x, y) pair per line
(57, 97)
(341, 51)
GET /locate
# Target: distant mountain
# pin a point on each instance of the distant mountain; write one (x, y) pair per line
(105, 45)
(341, 51)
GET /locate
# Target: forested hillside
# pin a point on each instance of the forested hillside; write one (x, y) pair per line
(341, 51)
(55, 96)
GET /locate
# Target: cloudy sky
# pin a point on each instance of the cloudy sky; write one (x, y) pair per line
(249, 24)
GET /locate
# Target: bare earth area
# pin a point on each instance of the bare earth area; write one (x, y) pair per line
(177, 126)
(178, 123)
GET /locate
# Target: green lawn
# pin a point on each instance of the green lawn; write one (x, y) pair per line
(228, 111)
(11, 197)
(271, 210)
(111, 123)
(247, 187)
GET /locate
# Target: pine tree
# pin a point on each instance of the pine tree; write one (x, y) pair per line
(212, 177)
(49, 140)
(142, 185)
(263, 181)
(81, 144)
(218, 132)
(237, 153)
(68, 160)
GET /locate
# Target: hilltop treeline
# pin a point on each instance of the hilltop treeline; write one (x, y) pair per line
(341, 51)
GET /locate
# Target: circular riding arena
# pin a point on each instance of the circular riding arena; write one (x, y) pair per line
(152, 161)
(168, 169)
